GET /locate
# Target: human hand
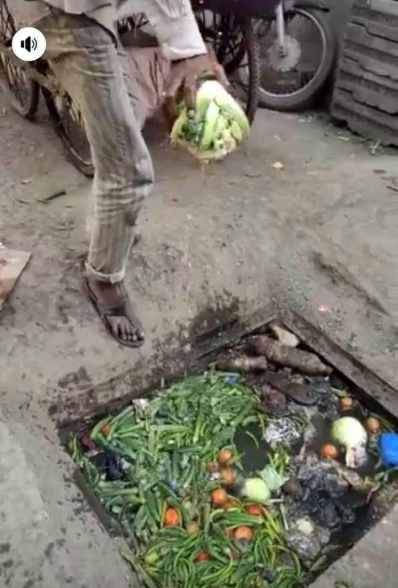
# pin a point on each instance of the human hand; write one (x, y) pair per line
(186, 73)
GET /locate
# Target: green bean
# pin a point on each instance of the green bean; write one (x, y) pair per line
(141, 519)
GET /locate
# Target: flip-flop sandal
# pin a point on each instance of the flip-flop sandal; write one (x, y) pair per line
(106, 310)
(300, 393)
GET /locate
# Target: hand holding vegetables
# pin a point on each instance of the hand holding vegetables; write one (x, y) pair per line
(217, 126)
(185, 74)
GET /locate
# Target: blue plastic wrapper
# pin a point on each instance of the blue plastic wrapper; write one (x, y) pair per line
(388, 444)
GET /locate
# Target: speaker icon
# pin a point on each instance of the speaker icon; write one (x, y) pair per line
(30, 44)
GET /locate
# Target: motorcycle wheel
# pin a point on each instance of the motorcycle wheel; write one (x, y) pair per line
(25, 92)
(69, 125)
(289, 83)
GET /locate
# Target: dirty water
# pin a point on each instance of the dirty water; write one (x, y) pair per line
(240, 476)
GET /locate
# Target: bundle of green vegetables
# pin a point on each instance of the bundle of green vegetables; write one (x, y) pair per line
(173, 479)
(217, 126)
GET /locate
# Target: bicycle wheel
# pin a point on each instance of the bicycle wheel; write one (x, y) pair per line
(25, 91)
(238, 51)
(290, 82)
(69, 125)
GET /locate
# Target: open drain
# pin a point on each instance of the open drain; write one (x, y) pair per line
(257, 472)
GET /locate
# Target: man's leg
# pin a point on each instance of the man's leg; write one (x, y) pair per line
(86, 62)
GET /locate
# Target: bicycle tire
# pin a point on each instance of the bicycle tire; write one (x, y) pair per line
(82, 162)
(25, 103)
(303, 97)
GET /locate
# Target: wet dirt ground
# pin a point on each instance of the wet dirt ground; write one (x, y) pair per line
(226, 242)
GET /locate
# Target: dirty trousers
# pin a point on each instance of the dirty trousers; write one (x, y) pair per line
(91, 67)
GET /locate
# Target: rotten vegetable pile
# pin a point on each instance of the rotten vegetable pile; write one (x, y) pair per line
(216, 128)
(172, 471)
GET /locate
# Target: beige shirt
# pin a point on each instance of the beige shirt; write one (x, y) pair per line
(172, 20)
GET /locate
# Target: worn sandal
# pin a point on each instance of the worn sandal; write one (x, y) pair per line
(124, 309)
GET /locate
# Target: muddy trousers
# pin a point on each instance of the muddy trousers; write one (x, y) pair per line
(90, 66)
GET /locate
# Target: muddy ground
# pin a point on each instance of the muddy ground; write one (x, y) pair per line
(230, 243)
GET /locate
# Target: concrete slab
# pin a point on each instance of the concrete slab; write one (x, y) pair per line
(221, 245)
(48, 536)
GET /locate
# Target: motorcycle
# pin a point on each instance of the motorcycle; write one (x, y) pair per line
(297, 53)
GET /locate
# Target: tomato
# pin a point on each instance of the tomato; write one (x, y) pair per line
(202, 556)
(219, 497)
(227, 476)
(254, 509)
(225, 456)
(231, 503)
(229, 532)
(105, 429)
(372, 425)
(329, 451)
(171, 518)
(346, 402)
(212, 467)
(243, 534)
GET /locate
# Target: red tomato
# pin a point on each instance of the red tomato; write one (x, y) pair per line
(202, 556)
(254, 510)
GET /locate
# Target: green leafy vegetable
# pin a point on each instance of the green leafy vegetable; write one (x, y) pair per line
(218, 125)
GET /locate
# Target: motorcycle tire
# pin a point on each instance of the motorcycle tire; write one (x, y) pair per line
(302, 98)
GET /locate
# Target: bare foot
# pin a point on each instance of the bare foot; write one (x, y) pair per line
(114, 307)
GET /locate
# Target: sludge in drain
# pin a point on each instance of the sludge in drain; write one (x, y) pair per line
(258, 472)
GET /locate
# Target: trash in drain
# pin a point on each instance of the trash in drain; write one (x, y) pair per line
(254, 473)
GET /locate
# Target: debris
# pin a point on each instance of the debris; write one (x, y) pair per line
(388, 443)
(272, 478)
(12, 264)
(307, 540)
(242, 364)
(300, 393)
(185, 453)
(373, 147)
(293, 488)
(278, 165)
(26, 181)
(273, 402)
(110, 463)
(281, 432)
(253, 174)
(284, 336)
(303, 361)
(52, 196)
